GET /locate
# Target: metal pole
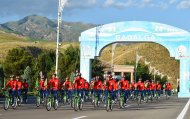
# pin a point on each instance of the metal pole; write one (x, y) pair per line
(136, 68)
(58, 26)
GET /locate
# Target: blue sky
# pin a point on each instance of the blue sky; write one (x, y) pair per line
(171, 12)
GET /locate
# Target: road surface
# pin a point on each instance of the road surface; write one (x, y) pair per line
(164, 109)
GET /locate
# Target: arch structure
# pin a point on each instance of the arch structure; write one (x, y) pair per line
(175, 40)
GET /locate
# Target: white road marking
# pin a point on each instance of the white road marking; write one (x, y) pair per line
(79, 117)
(184, 111)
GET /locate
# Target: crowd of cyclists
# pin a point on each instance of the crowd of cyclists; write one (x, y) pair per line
(108, 91)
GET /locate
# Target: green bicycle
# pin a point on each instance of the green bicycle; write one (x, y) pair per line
(8, 101)
(65, 97)
(51, 102)
(40, 100)
(139, 98)
(96, 104)
(121, 100)
(77, 102)
(109, 104)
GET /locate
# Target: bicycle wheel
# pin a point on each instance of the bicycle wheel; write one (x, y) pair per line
(108, 105)
(139, 99)
(6, 103)
(72, 103)
(14, 106)
(20, 101)
(38, 101)
(76, 104)
(48, 104)
(64, 99)
(80, 105)
(95, 102)
(111, 106)
(121, 102)
(56, 104)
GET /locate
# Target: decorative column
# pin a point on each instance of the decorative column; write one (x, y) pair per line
(184, 78)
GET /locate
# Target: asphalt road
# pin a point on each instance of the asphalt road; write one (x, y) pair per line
(164, 109)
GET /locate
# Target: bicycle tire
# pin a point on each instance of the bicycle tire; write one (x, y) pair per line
(6, 103)
(48, 104)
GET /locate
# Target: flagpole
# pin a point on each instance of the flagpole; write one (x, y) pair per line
(136, 69)
(59, 19)
(57, 48)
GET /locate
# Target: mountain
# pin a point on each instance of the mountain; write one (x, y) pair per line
(38, 27)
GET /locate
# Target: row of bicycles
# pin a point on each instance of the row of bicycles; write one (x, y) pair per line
(9, 101)
(77, 99)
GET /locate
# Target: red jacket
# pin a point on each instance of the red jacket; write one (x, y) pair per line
(25, 85)
(19, 85)
(86, 86)
(98, 85)
(12, 84)
(54, 83)
(168, 87)
(68, 85)
(111, 85)
(79, 83)
(158, 87)
(42, 86)
(152, 86)
(140, 86)
(124, 84)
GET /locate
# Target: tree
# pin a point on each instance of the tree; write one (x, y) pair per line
(2, 76)
(28, 76)
(45, 62)
(143, 72)
(97, 68)
(16, 61)
(69, 61)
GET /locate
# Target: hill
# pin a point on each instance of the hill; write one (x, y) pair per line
(9, 41)
(157, 55)
(38, 27)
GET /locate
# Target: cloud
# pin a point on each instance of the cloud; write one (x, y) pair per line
(42, 7)
(172, 1)
(184, 4)
(137, 3)
(80, 4)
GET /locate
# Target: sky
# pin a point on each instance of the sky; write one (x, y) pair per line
(171, 12)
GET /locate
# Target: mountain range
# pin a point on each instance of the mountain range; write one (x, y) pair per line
(41, 28)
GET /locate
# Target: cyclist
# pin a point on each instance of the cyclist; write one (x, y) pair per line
(86, 89)
(18, 87)
(25, 90)
(98, 88)
(68, 88)
(54, 83)
(141, 88)
(168, 88)
(79, 85)
(124, 88)
(42, 88)
(12, 84)
(158, 88)
(153, 88)
(116, 90)
(111, 88)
